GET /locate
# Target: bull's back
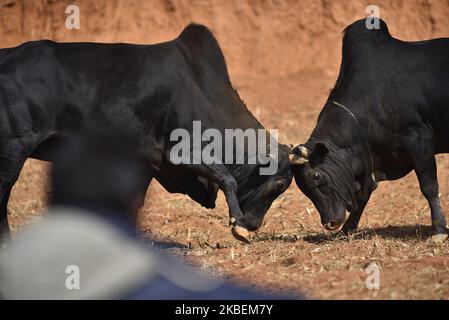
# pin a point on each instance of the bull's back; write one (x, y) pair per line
(432, 85)
(65, 85)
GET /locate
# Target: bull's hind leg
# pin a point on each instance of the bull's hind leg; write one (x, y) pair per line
(420, 146)
(10, 166)
(147, 180)
(5, 233)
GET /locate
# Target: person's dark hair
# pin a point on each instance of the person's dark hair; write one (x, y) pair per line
(102, 173)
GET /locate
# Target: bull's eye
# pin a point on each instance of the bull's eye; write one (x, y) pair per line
(316, 178)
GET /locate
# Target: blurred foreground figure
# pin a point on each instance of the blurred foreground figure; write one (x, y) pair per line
(86, 248)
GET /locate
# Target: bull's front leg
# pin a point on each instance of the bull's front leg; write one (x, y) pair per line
(420, 147)
(219, 174)
(235, 213)
(353, 220)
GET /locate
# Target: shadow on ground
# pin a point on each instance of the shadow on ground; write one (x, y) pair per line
(405, 233)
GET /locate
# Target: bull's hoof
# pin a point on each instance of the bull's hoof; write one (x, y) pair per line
(439, 238)
(240, 234)
(347, 232)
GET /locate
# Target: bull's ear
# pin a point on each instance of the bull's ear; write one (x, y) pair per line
(318, 153)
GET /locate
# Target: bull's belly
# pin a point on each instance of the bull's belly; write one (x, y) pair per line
(394, 165)
(175, 179)
(47, 150)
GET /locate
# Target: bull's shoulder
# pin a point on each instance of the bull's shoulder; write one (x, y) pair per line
(361, 35)
(362, 38)
(203, 49)
(366, 29)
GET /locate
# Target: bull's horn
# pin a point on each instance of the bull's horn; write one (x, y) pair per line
(301, 151)
(297, 160)
(240, 234)
(299, 155)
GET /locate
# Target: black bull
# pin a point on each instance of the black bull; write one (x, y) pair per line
(387, 115)
(49, 91)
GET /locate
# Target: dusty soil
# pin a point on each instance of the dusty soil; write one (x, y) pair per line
(283, 58)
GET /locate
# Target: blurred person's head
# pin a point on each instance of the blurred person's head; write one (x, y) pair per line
(101, 173)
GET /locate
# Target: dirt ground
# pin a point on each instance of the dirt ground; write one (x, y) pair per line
(291, 252)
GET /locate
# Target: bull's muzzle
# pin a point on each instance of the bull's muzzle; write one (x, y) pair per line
(333, 225)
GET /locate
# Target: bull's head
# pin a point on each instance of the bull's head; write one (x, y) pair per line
(257, 192)
(333, 178)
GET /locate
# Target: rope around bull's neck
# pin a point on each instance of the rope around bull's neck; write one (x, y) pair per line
(362, 133)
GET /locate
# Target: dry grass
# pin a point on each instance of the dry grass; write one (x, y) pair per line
(293, 252)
